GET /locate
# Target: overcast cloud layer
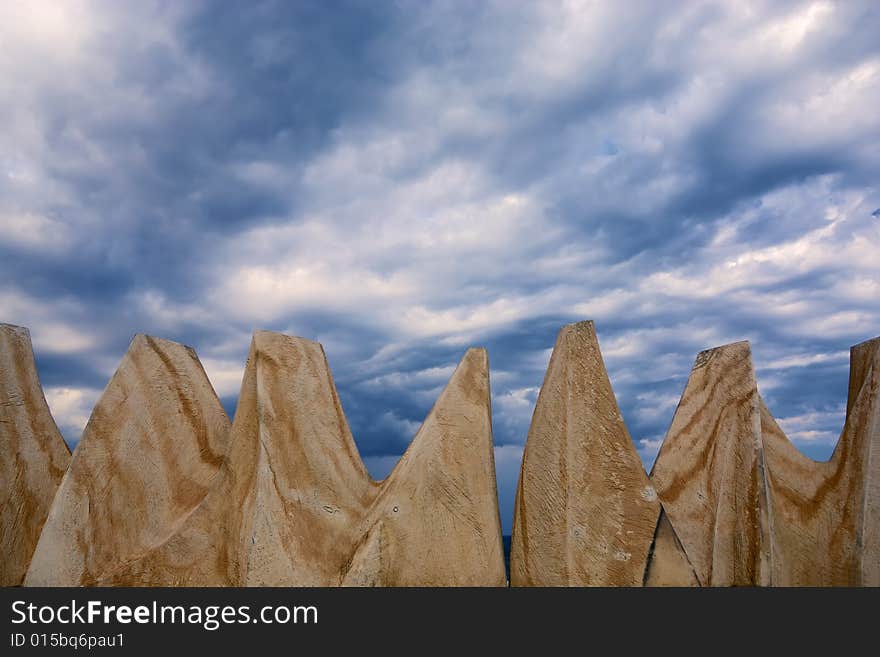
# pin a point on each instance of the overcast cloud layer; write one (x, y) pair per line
(402, 180)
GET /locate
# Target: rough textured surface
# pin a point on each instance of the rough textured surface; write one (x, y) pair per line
(738, 504)
(33, 455)
(749, 508)
(148, 454)
(586, 513)
(294, 505)
(709, 473)
(161, 491)
(435, 520)
(825, 514)
(668, 564)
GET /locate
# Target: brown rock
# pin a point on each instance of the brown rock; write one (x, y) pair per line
(826, 515)
(435, 519)
(294, 505)
(160, 492)
(748, 507)
(668, 564)
(709, 473)
(33, 455)
(586, 513)
(147, 457)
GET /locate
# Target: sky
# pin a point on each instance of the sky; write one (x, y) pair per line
(402, 180)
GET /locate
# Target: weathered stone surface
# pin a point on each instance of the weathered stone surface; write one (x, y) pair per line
(33, 455)
(586, 513)
(161, 491)
(748, 507)
(826, 515)
(147, 457)
(435, 519)
(668, 564)
(710, 472)
(294, 505)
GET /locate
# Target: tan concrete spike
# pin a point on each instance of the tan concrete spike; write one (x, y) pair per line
(710, 472)
(290, 490)
(586, 512)
(863, 432)
(826, 515)
(435, 521)
(148, 454)
(33, 455)
(309, 487)
(668, 564)
(294, 505)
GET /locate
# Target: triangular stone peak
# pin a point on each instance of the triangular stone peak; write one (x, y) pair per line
(162, 490)
(146, 459)
(33, 455)
(586, 513)
(668, 564)
(710, 472)
(863, 428)
(748, 507)
(435, 520)
(826, 515)
(308, 486)
(294, 505)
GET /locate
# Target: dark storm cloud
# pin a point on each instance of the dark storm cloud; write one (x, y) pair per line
(403, 180)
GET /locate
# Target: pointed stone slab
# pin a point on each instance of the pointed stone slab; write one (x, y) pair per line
(710, 472)
(294, 505)
(147, 457)
(826, 527)
(863, 425)
(284, 509)
(308, 488)
(668, 564)
(586, 512)
(435, 521)
(33, 455)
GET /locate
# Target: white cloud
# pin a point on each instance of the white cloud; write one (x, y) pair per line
(404, 429)
(512, 411)
(804, 360)
(431, 376)
(655, 407)
(49, 332)
(813, 427)
(33, 232)
(225, 375)
(790, 31)
(648, 450)
(53, 337)
(71, 408)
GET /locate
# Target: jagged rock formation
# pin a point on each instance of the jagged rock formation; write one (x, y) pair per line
(668, 564)
(709, 473)
(752, 510)
(294, 506)
(738, 504)
(33, 455)
(586, 513)
(162, 490)
(435, 520)
(146, 459)
(826, 515)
